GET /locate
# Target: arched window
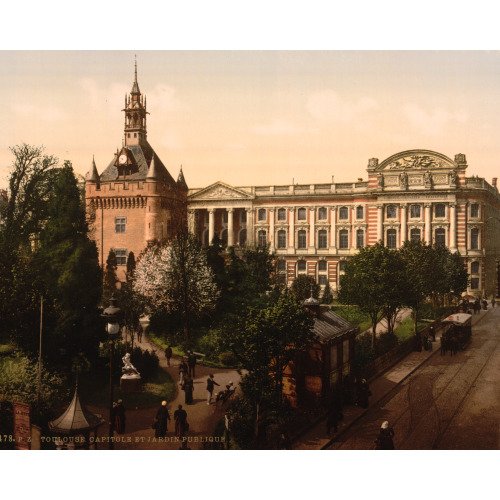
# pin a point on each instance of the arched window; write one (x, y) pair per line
(301, 214)
(261, 214)
(322, 213)
(360, 238)
(282, 214)
(281, 266)
(282, 239)
(439, 210)
(440, 236)
(392, 211)
(474, 239)
(301, 239)
(391, 239)
(343, 213)
(322, 239)
(281, 272)
(474, 268)
(359, 212)
(343, 238)
(322, 266)
(322, 272)
(301, 267)
(415, 234)
(223, 237)
(243, 237)
(262, 238)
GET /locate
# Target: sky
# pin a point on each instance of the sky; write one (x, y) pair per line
(256, 117)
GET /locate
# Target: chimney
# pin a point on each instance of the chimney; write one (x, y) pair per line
(494, 182)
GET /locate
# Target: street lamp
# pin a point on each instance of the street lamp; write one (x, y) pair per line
(112, 314)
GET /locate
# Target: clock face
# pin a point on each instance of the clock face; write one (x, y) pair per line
(122, 159)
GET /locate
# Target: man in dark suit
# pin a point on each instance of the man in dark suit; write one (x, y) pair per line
(210, 387)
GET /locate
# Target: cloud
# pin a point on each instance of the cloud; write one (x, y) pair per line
(279, 127)
(432, 122)
(327, 106)
(40, 113)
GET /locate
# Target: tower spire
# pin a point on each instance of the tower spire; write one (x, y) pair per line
(135, 114)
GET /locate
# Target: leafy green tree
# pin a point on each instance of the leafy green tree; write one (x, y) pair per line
(303, 285)
(394, 288)
(327, 295)
(110, 278)
(131, 264)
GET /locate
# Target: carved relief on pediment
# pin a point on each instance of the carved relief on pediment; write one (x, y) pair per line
(416, 162)
(391, 180)
(415, 180)
(220, 192)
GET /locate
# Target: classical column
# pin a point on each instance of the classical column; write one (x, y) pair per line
(380, 223)
(428, 226)
(211, 225)
(230, 230)
(271, 228)
(311, 228)
(404, 227)
(333, 230)
(453, 228)
(291, 228)
(250, 235)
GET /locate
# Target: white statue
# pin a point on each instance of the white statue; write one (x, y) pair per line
(129, 370)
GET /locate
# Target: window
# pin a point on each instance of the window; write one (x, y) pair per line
(223, 237)
(474, 239)
(415, 234)
(322, 239)
(282, 239)
(344, 238)
(281, 266)
(301, 214)
(359, 212)
(282, 214)
(415, 211)
(322, 266)
(243, 216)
(391, 239)
(302, 239)
(224, 216)
(120, 224)
(474, 283)
(121, 256)
(262, 237)
(243, 237)
(439, 210)
(281, 271)
(474, 210)
(261, 214)
(474, 268)
(360, 238)
(322, 213)
(322, 279)
(440, 236)
(342, 265)
(301, 266)
(392, 211)
(343, 213)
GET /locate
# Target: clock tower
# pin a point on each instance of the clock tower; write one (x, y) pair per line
(135, 115)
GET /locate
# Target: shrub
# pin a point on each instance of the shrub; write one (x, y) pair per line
(227, 358)
(145, 362)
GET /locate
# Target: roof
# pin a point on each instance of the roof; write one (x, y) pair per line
(458, 318)
(329, 325)
(76, 418)
(143, 154)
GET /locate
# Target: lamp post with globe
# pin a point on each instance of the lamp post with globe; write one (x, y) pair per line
(112, 314)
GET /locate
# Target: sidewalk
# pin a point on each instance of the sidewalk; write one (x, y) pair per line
(316, 437)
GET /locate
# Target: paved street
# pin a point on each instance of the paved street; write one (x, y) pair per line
(450, 402)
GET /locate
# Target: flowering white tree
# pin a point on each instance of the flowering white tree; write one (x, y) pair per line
(176, 278)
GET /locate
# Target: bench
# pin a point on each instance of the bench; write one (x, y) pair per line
(225, 395)
(200, 356)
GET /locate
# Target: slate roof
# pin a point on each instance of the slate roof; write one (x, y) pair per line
(328, 326)
(142, 155)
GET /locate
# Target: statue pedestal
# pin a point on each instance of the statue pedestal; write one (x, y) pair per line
(130, 383)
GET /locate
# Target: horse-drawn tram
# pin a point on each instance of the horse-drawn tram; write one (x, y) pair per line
(458, 329)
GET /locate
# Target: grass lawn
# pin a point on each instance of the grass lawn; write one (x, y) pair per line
(354, 315)
(6, 349)
(162, 387)
(405, 330)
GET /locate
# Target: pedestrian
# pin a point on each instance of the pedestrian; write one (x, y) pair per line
(188, 387)
(210, 387)
(191, 363)
(182, 370)
(384, 440)
(181, 425)
(162, 418)
(284, 442)
(139, 334)
(364, 394)
(168, 354)
(493, 302)
(120, 417)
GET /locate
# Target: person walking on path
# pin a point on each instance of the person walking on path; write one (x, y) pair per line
(119, 411)
(181, 425)
(182, 370)
(139, 334)
(364, 394)
(168, 354)
(210, 387)
(162, 418)
(187, 387)
(191, 363)
(384, 440)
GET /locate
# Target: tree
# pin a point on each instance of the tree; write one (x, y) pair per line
(131, 265)
(68, 265)
(110, 278)
(303, 285)
(175, 278)
(327, 295)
